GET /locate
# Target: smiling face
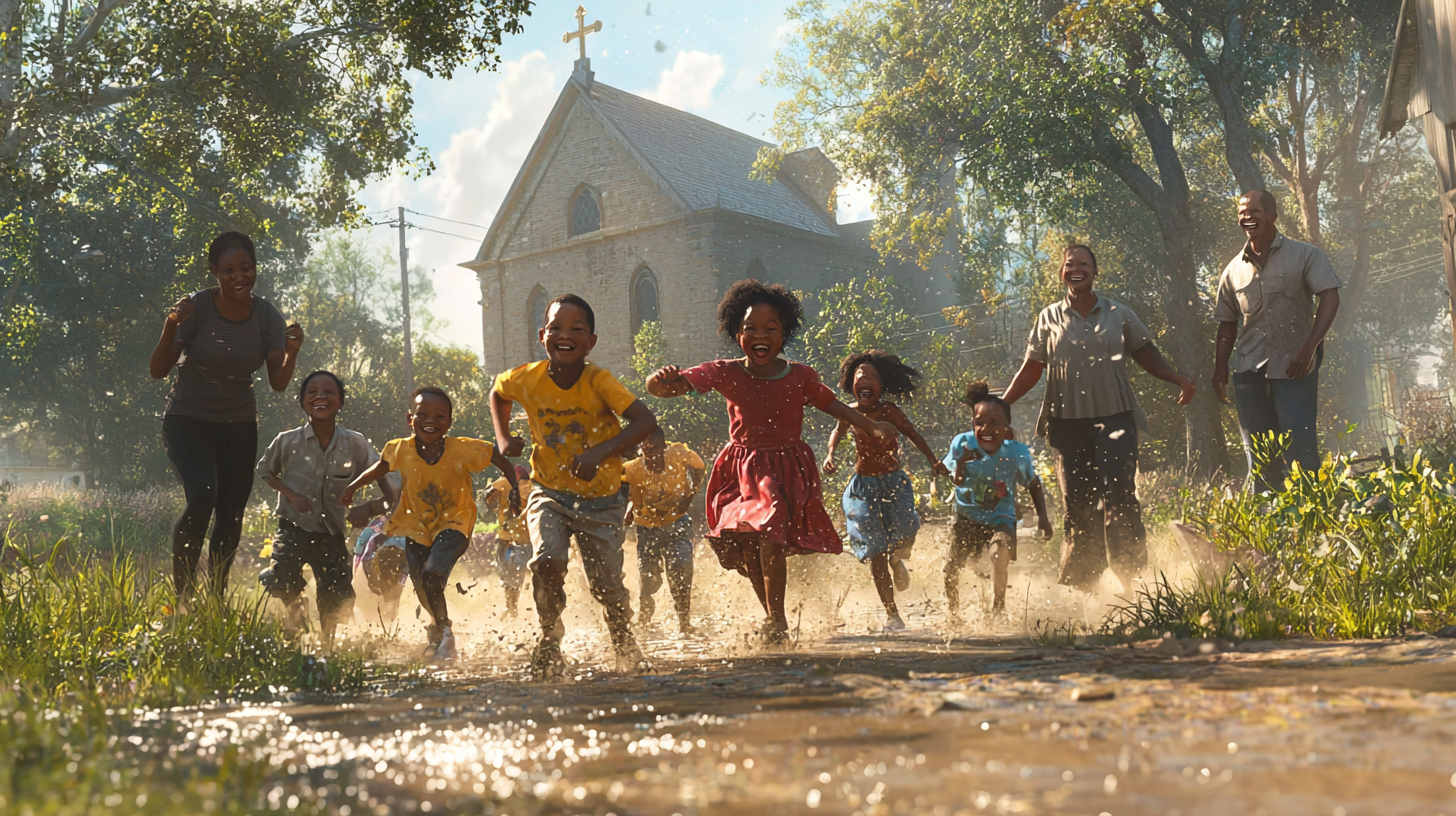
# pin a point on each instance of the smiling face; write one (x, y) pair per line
(762, 334)
(430, 418)
(1078, 271)
(1256, 218)
(236, 272)
(991, 426)
(567, 336)
(321, 398)
(867, 385)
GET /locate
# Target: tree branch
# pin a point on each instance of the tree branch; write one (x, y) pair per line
(104, 10)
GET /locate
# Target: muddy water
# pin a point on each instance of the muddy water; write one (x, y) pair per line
(848, 720)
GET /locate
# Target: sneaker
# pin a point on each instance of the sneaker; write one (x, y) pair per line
(901, 573)
(546, 660)
(774, 632)
(445, 651)
(894, 623)
(629, 655)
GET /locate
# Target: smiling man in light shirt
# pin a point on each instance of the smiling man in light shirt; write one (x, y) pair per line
(1265, 302)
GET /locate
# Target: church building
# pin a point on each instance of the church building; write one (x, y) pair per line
(650, 213)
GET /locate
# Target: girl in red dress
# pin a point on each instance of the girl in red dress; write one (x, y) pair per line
(764, 499)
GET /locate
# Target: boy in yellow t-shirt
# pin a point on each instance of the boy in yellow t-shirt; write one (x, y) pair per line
(662, 484)
(576, 467)
(436, 509)
(512, 540)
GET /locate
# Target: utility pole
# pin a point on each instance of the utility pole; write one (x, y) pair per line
(409, 354)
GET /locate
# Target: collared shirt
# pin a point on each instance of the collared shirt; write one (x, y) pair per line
(1273, 301)
(318, 474)
(1086, 361)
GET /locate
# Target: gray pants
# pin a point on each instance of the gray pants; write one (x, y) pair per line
(555, 519)
(669, 547)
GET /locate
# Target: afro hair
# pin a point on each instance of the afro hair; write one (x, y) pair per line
(746, 293)
(897, 378)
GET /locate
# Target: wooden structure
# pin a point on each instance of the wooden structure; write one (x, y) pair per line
(1422, 85)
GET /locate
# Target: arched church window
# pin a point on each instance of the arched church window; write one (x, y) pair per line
(586, 212)
(757, 271)
(536, 318)
(644, 298)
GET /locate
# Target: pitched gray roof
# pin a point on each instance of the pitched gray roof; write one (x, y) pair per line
(705, 163)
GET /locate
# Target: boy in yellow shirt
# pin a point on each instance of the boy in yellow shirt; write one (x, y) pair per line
(662, 484)
(576, 469)
(436, 508)
(512, 540)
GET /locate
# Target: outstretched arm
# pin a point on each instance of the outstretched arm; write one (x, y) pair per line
(500, 417)
(830, 465)
(1153, 362)
(900, 421)
(668, 381)
(375, 472)
(844, 413)
(1025, 380)
(640, 424)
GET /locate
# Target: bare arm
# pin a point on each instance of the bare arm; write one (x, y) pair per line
(844, 413)
(1324, 317)
(1025, 380)
(835, 436)
(640, 424)
(509, 471)
(1038, 500)
(1153, 362)
(282, 362)
(900, 421)
(500, 417)
(166, 353)
(375, 472)
(668, 381)
(1228, 332)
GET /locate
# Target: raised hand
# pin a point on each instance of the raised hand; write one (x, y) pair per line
(939, 469)
(829, 466)
(292, 339)
(514, 448)
(181, 311)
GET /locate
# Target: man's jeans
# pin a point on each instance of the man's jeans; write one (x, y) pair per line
(1267, 406)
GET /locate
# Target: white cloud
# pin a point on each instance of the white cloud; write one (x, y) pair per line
(689, 83)
(854, 201)
(470, 181)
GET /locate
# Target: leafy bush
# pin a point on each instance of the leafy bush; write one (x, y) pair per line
(1348, 551)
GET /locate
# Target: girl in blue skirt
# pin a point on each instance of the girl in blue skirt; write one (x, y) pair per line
(879, 502)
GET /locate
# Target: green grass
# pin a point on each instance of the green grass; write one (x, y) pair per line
(1339, 553)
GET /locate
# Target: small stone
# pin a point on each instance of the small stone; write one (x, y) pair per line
(1092, 695)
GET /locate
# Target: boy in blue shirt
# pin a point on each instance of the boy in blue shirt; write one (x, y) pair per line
(986, 465)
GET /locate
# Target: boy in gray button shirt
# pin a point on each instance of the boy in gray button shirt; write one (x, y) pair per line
(1264, 301)
(310, 466)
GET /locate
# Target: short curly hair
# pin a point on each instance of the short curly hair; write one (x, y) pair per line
(746, 293)
(979, 392)
(898, 378)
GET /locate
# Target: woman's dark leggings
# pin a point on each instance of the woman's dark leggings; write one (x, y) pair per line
(215, 462)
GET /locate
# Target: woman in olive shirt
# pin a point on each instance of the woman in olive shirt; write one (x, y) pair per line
(217, 339)
(1091, 418)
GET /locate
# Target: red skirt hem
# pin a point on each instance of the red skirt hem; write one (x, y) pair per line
(773, 492)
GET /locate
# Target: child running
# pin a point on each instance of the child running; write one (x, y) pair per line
(309, 467)
(512, 540)
(879, 501)
(436, 510)
(662, 484)
(764, 499)
(572, 407)
(381, 558)
(986, 465)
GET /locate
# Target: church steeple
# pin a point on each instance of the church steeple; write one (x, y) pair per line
(581, 69)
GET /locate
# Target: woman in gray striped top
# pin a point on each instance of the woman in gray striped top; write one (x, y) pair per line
(217, 339)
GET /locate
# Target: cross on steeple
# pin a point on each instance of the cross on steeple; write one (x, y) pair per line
(580, 34)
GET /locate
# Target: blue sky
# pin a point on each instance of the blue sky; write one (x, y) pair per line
(703, 57)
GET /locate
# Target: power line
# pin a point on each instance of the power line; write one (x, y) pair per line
(448, 220)
(442, 232)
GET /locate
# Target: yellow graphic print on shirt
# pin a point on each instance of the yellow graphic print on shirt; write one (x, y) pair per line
(437, 497)
(566, 422)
